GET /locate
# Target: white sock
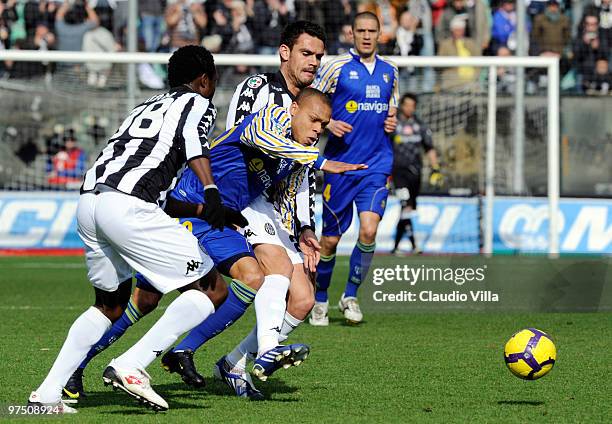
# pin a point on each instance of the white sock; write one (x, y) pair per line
(245, 351)
(290, 323)
(270, 305)
(84, 332)
(188, 310)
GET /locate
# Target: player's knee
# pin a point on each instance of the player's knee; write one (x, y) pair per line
(253, 280)
(247, 271)
(300, 307)
(329, 245)
(109, 303)
(367, 234)
(145, 301)
(274, 260)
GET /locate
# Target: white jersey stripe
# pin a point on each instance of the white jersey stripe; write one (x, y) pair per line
(117, 163)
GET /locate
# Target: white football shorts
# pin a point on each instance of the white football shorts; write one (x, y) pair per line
(266, 227)
(122, 233)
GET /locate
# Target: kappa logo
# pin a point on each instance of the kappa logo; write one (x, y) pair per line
(255, 82)
(269, 229)
(158, 353)
(249, 233)
(192, 266)
(277, 329)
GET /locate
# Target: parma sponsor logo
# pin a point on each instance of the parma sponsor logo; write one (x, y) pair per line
(256, 165)
(352, 106)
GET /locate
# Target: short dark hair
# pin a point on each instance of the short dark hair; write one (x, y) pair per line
(410, 96)
(365, 15)
(293, 31)
(308, 92)
(188, 63)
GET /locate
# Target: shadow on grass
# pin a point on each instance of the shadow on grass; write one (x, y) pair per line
(521, 402)
(128, 405)
(342, 322)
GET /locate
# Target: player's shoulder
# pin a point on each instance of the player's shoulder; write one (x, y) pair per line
(274, 112)
(387, 62)
(339, 61)
(256, 81)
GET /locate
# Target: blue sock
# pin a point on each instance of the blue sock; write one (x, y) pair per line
(125, 321)
(324, 275)
(239, 298)
(361, 258)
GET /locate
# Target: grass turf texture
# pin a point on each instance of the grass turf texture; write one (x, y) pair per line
(395, 367)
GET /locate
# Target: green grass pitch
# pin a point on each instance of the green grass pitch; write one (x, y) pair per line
(399, 366)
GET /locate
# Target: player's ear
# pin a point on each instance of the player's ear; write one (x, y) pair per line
(284, 51)
(293, 108)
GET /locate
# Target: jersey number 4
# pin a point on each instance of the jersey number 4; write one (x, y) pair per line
(327, 192)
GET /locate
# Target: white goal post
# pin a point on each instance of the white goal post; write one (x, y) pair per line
(549, 64)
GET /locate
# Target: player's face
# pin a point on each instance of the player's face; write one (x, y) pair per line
(304, 59)
(207, 86)
(308, 120)
(408, 107)
(365, 36)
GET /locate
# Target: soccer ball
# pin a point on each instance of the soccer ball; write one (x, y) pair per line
(530, 354)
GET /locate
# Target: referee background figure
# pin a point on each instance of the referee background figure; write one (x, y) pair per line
(412, 136)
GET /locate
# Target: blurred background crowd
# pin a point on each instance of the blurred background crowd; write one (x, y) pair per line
(579, 32)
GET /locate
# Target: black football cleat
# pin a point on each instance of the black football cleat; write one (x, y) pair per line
(182, 364)
(74, 387)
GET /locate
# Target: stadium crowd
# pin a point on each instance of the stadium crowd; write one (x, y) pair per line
(579, 32)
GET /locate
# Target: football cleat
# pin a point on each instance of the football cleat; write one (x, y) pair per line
(182, 364)
(136, 383)
(318, 316)
(74, 387)
(237, 380)
(280, 356)
(35, 406)
(349, 306)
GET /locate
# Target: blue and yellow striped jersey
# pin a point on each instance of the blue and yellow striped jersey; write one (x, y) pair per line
(249, 158)
(361, 99)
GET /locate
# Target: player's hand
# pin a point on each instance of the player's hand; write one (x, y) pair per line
(310, 247)
(339, 128)
(214, 213)
(234, 217)
(335, 167)
(436, 179)
(391, 124)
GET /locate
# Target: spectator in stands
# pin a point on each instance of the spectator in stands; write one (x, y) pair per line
(344, 41)
(269, 19)
(69, 164)
(503, 30)
(312, 11)
(459, 9)
(599, 81)
(8, 16)
(186, 23)
(421, 10)
(589, 46)
(337, 14)
(46, 13)
(603, 10)
(408, 42)
(99, 40)
(506, 77)
(458, 45)
(72, 21)
(43, 40)
(151, 21)
(242, 38)
(221, 24)
(551, 35)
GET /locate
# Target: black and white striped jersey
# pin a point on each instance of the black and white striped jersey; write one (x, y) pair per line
(149, 151)
(294, 198)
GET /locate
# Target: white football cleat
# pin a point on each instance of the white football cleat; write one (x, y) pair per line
(136, 383)
(349, 306)
(318, 316)
(37, 407)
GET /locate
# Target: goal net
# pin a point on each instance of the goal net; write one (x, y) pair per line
(59, 117)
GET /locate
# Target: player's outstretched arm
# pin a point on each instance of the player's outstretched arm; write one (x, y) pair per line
(179, 209)
(335, 167)
(214, 213)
